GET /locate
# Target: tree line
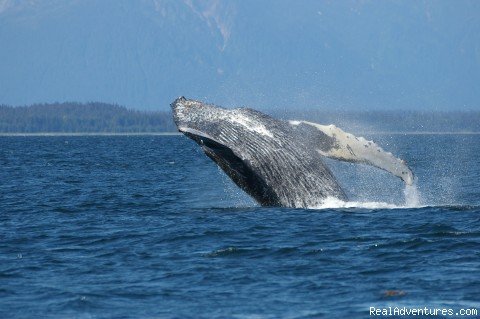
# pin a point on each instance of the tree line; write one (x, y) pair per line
(98, 117)
(82, 118)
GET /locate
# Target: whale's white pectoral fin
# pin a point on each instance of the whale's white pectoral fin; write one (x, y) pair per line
(347, 147)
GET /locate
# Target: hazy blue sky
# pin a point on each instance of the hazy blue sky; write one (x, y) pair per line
(422, 55)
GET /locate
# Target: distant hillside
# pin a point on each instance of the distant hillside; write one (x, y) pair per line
(81, 118)
(108, 118)
(283, 53)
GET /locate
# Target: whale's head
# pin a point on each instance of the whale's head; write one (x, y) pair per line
(196, 119)
(199, 120)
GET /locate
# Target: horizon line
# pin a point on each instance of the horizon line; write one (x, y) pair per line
(53, 134)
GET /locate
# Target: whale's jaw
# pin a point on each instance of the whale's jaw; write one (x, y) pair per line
(238, 170)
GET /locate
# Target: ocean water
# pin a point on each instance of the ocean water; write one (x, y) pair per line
(149, 227)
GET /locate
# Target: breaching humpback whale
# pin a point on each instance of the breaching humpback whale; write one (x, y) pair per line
(278, 163)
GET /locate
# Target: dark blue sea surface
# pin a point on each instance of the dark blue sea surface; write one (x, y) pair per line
(149, 227)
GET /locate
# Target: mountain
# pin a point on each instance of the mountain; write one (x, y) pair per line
(353, 55)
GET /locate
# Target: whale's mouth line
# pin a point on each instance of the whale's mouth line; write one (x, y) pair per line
(196, 134)
(185, 129)
(201, 138)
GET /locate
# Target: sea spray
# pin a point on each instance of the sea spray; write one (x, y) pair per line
(332, 202)
(412, 199)
(412, 195)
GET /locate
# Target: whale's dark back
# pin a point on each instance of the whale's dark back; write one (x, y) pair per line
(270, 159)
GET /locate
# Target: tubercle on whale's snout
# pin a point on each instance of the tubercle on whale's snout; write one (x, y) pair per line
(178, 101)
(179, 106)
(186, 113)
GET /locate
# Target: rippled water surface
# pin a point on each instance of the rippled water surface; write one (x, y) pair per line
(148, 227)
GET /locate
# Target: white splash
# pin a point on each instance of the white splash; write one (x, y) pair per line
(332, 202)
(412, 195)
(412, 200)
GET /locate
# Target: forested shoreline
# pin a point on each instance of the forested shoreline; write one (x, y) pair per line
(92, 117)
(96, 117)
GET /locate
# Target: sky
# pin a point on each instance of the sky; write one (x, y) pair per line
(327, 55)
